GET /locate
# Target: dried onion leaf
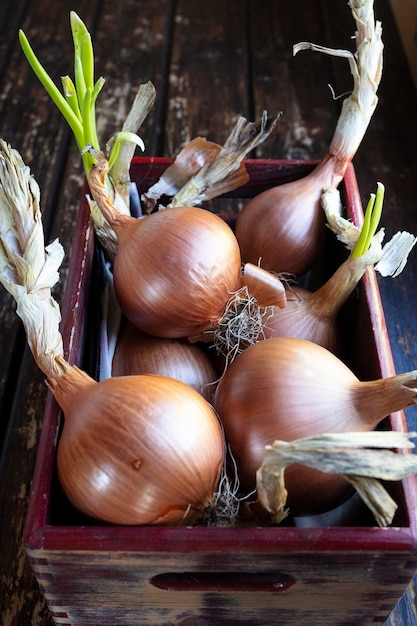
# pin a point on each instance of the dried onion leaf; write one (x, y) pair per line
(226, 171)
(28, 270)
(349, 454)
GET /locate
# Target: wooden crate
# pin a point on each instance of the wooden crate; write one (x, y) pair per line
(352, 573)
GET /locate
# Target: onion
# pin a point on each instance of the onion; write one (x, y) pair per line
(175, 270)
(314, 315)
(288, 388)
(306, 316)
(143, 449)
(283, 227)
(139, 353)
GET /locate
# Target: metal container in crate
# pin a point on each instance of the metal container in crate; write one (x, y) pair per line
(349, 572)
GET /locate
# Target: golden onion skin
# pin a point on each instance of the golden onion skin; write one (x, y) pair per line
(283, 228)
(175, 270)
(286, 388)
(141, 449)
(139, 353)
(303, 317)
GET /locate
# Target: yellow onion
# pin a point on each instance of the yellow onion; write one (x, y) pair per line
(143, 449)
(175, 270)
(314, 315)
(288, 388)
(139, 353)
(283, 227)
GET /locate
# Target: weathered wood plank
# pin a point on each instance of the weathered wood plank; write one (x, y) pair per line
(295, 85)
(21, 601)
(321, 590)
(132, 47)
(207, 75)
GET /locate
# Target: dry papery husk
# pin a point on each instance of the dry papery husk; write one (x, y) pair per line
(203, 170)
(366, 68)
(119, 176)
(361, 458)
(119, 172)
(28, 270)
(393, 255)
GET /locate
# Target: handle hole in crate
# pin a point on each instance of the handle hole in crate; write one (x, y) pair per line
(223, 581)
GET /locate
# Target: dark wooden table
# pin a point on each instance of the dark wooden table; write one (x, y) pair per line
(210, 62)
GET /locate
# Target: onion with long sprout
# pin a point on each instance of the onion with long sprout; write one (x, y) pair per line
(283, 227)
(143, 449)
(288, 388)
(176, 269)
(314, 315)
(185, 263)
(202, 170)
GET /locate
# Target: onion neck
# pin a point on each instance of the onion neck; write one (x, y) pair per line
(350, 130)
(97, 182)
(366, 68)
(328, 172)
(329, 298)
(68, 386)
(377, 399)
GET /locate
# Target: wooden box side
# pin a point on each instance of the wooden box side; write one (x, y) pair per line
(209, 588)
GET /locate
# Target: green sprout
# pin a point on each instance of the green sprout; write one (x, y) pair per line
(77, 102)
(371, 221)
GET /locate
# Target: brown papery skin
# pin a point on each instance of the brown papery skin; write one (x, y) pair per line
(313, 315)
(303, 317)
(139, 353)
(175, 270)
(286, 388)
(283, 228)
(141, 449)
